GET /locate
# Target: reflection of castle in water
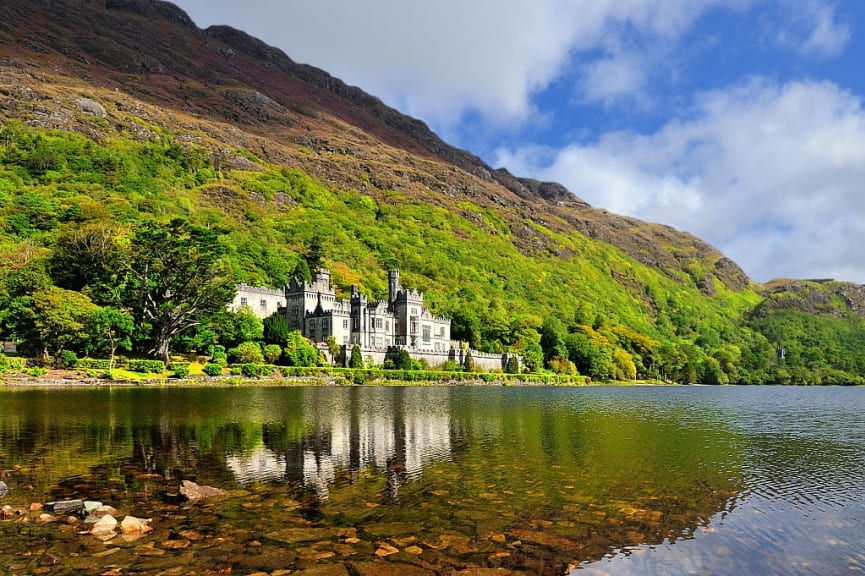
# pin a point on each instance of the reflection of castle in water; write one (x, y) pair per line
(383, 428)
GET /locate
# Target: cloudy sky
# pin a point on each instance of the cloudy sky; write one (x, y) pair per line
(741, 121)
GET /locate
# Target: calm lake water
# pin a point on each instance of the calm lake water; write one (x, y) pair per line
(424, 481)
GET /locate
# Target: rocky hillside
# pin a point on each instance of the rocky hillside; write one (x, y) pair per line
(118, 111)
(151, 51)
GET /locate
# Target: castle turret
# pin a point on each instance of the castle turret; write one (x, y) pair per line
(393, 284)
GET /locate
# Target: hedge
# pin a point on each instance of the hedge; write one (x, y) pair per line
(180, 369)
(94, 364)
(147, 366)
(212, 369)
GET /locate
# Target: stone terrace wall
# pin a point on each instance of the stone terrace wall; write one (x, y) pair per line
(483, 361)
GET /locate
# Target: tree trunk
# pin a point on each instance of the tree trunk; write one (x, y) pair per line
(162, 350)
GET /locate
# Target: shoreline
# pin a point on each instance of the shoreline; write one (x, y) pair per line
(34, 382)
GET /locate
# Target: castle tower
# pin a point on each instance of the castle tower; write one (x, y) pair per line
(393, 284)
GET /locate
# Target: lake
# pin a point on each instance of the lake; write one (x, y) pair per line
(428, 480)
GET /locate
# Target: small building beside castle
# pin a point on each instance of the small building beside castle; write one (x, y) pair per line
(263, 302)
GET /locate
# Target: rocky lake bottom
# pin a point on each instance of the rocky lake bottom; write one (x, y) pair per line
(426, 481)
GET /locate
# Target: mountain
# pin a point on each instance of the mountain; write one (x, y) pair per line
(120, 111)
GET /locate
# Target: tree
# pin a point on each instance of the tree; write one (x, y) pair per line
(513, 366)
(299, 351)
(356, 360)
(314, 256)
(553, 338)
(403, 360)
(52, 320)
(623, 365)
(333, 347)
(590, 352)
(175, 280)
(469, 362)
(276, 329)
(89, 257)
(247, 326)
(112, 329)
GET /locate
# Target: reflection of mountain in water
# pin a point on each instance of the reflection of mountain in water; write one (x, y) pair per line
(387, 429)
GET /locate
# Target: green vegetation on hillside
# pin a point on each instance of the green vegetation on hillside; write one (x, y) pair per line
(69, 203)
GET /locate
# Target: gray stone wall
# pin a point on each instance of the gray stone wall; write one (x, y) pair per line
(483, 361)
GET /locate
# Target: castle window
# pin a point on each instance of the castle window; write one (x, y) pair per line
(263, 304)
(413, 327)
(345, 324)
(243, 302)
(427, 334)
(379, 323)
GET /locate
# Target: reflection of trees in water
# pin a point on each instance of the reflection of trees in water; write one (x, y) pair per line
(571, 483)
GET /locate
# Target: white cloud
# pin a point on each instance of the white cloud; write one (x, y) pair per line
(813, 28)
(771, 174)
(441, 60)
(618, 77)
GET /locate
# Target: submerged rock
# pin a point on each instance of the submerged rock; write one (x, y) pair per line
(192, 491)
(65, 507)
(105, 528)
(133, 525)
(49, 559)
(4, 489)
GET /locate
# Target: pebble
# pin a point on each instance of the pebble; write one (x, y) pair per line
(175, 544)
(133, 525)
(105, 527)
(49, 559)
(4, 488)
(385, 549)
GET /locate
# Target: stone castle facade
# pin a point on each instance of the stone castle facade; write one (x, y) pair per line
(314, 309)
(380, 328)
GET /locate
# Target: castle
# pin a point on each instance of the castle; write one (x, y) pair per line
(313, 308)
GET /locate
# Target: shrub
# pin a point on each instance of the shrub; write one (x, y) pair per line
(403, 360)
(236, 370)
(513, 366)
(272, 353)
(37, 371)
(147, 366)
(247, 353)
(450, 366)
(180, 369)
(356, 360)
(13, 363)
(68, 359)
(469, 361)
(251, 370)
(213, 369)
(93, 364)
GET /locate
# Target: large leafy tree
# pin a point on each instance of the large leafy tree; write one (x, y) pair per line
(175, 280)
(52, 320)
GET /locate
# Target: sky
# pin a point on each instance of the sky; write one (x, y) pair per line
(739, 121)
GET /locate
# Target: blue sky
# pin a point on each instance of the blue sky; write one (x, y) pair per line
(741, 121)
